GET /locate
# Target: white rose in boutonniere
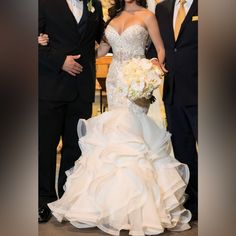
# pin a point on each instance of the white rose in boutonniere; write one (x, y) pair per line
(90, 6)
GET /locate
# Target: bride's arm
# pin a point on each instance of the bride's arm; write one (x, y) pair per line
(155, 35)
(103, 48)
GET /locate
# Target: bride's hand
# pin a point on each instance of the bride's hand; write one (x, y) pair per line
(43, 39)
(156, 62)
(164, 69)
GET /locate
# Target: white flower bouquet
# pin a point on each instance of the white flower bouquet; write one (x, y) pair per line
(141, 78)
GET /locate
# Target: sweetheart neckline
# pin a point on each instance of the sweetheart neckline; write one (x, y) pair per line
(127, 28)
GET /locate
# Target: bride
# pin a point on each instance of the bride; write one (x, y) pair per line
(126, 177)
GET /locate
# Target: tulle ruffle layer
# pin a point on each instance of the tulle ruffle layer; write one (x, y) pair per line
(126, 178)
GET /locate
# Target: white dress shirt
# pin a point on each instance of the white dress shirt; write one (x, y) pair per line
(76, 8)
(187, 6)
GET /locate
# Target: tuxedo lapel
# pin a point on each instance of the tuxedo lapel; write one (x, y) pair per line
(67, 14)
(188, 17)
(170, 6)
(82, 26)
(84, 17)
(89, 21)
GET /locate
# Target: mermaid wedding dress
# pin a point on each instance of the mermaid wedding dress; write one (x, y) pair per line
(126, 177)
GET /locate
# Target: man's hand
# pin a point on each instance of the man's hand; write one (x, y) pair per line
(71, 66)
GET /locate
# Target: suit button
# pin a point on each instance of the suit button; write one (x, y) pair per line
(175, 50)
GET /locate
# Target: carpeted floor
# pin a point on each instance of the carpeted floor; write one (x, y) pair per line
(54, 228)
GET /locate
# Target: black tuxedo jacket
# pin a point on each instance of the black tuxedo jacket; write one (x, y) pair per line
(68, 38)
(181, 82)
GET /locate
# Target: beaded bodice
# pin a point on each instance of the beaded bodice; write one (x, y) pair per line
(129, 44)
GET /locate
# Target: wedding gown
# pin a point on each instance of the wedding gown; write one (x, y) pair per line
(126, 177)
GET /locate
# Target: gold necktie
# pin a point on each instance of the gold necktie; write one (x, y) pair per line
(179, 18)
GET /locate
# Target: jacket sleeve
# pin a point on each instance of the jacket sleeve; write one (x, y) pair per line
(48, 57)
(100, 30)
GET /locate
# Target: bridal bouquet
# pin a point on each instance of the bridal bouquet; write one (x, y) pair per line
(141, 78)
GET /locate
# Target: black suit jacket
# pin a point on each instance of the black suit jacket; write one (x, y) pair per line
(181, 82)
(68, 38)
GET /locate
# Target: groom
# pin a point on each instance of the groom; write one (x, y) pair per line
(178, 22)
(66, 86)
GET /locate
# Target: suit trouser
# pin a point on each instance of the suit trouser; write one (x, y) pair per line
(183, 125)
(58, 119)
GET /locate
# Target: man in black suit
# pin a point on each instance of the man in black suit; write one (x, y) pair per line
(66, 86)
(180, 93)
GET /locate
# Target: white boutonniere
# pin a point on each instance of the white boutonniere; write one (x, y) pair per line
(90, 6)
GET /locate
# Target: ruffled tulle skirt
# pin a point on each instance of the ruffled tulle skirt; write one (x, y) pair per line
(125, 179)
